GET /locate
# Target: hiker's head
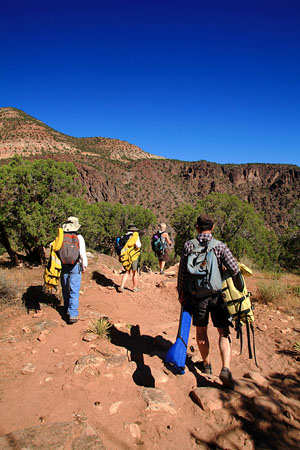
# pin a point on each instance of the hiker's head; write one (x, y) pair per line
(162, 226)
(72, 224)
(205, 223)
(132, 227)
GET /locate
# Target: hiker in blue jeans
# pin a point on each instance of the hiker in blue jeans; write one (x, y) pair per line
(71, 273)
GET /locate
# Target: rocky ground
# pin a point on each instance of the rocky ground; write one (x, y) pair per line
(62, 388)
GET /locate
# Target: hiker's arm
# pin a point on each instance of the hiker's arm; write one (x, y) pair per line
(181, 297)
(182, 273)
(167, 238)
(83, 255)
(56, 245)
(228, 260)
(138, 243)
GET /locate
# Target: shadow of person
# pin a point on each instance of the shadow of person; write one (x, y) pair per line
(102, 279)
(35, 295)
(138, 345)
(142, 375)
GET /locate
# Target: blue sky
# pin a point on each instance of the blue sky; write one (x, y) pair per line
(215, 80)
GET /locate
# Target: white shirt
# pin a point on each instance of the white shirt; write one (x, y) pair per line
(83, 257)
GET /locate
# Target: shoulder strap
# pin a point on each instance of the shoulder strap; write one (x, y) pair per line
(195, 242)
(213, 243)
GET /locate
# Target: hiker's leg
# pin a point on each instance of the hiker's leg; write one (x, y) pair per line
(203, 343)
(124, 279)
(65, 287)
(225, 346)
(75, 283)
(162, 265)
(134, 278)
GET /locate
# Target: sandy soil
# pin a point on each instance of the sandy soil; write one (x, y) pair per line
(262, 413)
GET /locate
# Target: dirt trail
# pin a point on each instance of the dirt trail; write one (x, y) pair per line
(42, 384)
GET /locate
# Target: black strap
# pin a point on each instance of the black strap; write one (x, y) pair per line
(179, 328)
(248, 338)
(239, 335)
(253, 340)
(180, 337)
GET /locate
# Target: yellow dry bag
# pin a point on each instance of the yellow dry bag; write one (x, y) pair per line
(53, 269)
(239, 306)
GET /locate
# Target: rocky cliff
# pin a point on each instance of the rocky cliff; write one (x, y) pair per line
(116, 171)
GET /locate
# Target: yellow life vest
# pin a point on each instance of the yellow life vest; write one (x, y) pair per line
(239, 307)
(53, 269)
(238, 303)
(129, 252)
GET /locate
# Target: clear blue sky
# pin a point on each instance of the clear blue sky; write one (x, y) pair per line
(215, 80)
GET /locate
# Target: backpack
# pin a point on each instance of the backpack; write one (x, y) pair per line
(158, 243)
(121, 242)
(239, 307)
(203, 274)
(69, 252)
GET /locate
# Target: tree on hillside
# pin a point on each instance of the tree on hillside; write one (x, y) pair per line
(35, 196)
(236, 223)
(105, 221)
(290, 255)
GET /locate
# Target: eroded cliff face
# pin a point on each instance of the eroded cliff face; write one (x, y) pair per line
(116, 171)
(163, 185)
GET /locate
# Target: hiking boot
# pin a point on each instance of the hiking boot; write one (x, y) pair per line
(136, 290)
(162, 272)
(72, 320)
(121, 289)
(226, 378)
(204, 368)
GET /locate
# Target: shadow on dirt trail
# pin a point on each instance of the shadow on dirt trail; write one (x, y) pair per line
(138, 345)
(270, 419)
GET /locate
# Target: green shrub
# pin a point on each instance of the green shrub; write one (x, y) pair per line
(99, 327)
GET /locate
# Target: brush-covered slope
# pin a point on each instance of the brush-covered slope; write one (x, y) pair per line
(24, 135)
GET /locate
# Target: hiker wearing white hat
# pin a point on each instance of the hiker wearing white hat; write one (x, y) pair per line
(74, 261)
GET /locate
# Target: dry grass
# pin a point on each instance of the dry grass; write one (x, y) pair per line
(14, 282)
(280, 294)
(8, 291)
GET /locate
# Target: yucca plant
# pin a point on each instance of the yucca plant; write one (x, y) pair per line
(297, 347)
(99, 327)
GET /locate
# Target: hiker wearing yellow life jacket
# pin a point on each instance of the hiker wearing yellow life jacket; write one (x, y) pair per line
(204, 301)
(130, 258)
(74, 261)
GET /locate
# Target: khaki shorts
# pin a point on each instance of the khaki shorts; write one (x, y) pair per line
(135, 264)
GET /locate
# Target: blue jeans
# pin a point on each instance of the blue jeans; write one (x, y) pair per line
(70, 283)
